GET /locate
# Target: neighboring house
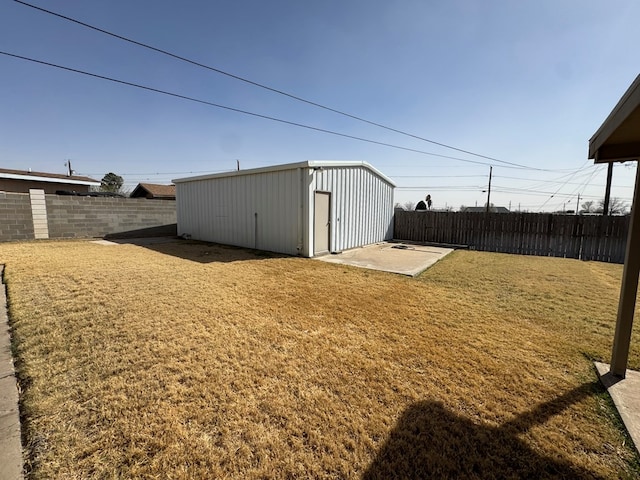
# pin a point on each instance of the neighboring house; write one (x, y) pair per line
(21, 181)
(308, 208)
(154, 191)
(484, 209)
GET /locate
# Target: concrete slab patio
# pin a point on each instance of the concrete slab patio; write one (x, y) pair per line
(625, 394)
(402, 258)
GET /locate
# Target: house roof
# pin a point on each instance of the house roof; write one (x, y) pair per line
(618, 138)
(290, 166)
(47, 177)
(154, 190)
(484, 209)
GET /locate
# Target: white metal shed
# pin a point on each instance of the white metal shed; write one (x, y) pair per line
(307, 208)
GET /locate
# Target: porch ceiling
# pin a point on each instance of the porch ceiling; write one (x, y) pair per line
(618, 138)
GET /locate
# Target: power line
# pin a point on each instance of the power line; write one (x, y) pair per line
(585, 184)
(496, 188)
(437, 176)
(271, 89)
(560, 188)
(552, 182)
(165, 173)
(245, 112)
(538, 192)
(469, 188)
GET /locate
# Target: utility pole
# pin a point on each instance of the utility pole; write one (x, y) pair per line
(489, 190)
(238, 164)
(68, 164)
(578, 204)
(607, 192)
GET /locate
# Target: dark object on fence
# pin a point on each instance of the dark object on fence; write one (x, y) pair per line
(421, 205)
(567, 236)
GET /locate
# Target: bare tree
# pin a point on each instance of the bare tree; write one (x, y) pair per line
(409, 206)
(588, 207)
(617, 206)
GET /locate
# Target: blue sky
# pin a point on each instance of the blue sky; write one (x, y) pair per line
(522, 82)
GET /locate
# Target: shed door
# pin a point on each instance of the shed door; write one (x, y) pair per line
(321, 223)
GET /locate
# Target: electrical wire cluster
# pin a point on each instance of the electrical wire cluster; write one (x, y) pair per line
(580, 178)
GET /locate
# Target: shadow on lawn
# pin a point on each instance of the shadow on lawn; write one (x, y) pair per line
(201, 252)
(430, 441)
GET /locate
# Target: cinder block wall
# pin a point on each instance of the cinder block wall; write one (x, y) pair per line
(81, 217)
(74, 217)
(16, 222)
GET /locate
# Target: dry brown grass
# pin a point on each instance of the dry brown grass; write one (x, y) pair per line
(195, 361)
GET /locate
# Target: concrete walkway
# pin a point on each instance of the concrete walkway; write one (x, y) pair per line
(403, 258)
(10, 445)
(625, 394)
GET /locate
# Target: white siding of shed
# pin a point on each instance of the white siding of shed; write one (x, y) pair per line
(255, 211)
(361, 206)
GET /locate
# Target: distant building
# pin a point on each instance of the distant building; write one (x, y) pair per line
(154, 191)
(484, 209)
(20, 181)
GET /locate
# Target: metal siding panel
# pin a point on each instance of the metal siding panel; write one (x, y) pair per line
(207, 220)
(240, 229)
(293, 203)
(249, 219)
(367, 225)
(222, 210)
(365, 201)
(374, 230)
(286, 189)
(337, 203)
(366, 206)
(338, 207)
(354, 209)
(347, 206)
(269, 225)
(258, 208)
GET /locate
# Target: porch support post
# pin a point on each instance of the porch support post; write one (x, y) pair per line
(628, 290)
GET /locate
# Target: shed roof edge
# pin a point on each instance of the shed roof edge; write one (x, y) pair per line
(288, 166)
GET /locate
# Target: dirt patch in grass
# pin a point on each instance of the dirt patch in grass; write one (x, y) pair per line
(196, 361)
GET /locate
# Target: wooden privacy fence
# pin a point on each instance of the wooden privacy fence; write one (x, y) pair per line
(569, 236)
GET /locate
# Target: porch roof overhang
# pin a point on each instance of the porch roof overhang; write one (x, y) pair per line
(618, 138)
